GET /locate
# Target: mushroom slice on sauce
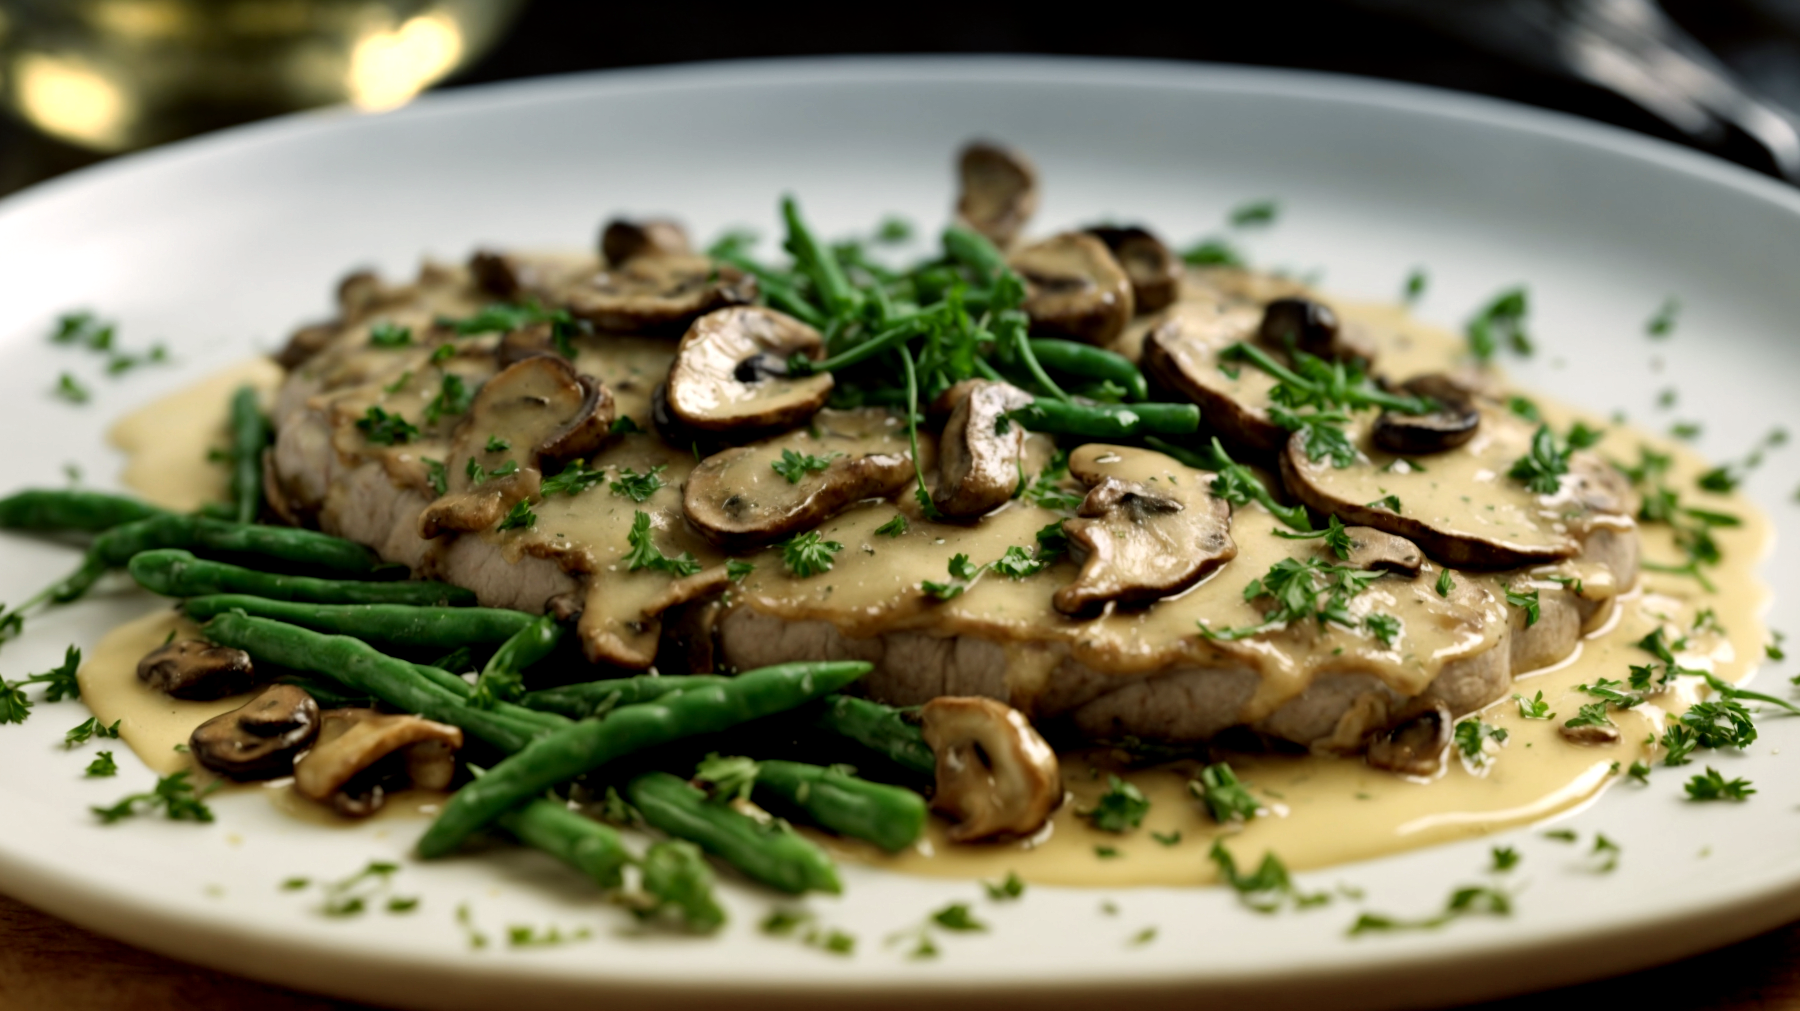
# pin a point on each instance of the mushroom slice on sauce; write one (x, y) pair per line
(1453, 423)
(623, 239)
(730, 373)
(979, 450)
(1155, 272)
(1144, 539)
(542, 411)
(1075, 288)
(999, 191)
(260, 739)
(660, 293)
(1373, 549)
(197, 670)
(1415, 746)
(1592, 735)
(1465, 510)
(362, 755)
(1309, 326)
(1184, 354)
(739, 501)
(995, 775)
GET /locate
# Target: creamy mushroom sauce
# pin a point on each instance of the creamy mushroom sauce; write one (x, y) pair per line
(1321, 811)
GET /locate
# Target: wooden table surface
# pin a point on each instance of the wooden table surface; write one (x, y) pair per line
(47, 964)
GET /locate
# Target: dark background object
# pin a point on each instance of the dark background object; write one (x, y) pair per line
(1509, 49)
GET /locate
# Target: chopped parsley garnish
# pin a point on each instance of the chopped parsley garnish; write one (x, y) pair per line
(1167, 838)
(625, 426)
(83, 327)
(736, 569)
(60, 682)
(1505, 859)
(1416, 282)
(1389, 502)
(574, 479)
(521, 935)
(1266, 890)
(1608, 853)
(495, 444)
(453, 397)
(894, 527)
(1534, 708)
(70, 389)
(1678, 742)
(1225, 796)
(173, 794)
(1254, 214)
(1002, 891)
(387, 334)
(1561, 835)
(1662, 324)
(1017, 564)
(436, 475)
(1471, 737)
(1301, 589)
(1542, 468)
(520, 515)
(92, 728)
(1773, 649)
(637, 487)
(727, 777)
(1334, 536)
(1120, 809)
(384, 429)
(1445, 583)
(102, 766)
(1639, 771)
(644, 553)
(1607, 689)
(1469, 900)
(1692, 527)
(1321, 434)
(1046, 489)
(957, 917)
(1238, 485)
(1212, 252)
(441, 354)
(795, 466)
(503, 317)
(1711, 785)
(14, 706)
(1524, 408)
(1727, 690)
(1385, 627)
(1721, 724)
(1502, 319)
(809, 554)
(1527, 601)
(1591, 715)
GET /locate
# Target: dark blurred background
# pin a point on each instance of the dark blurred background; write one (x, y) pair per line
(89, 79)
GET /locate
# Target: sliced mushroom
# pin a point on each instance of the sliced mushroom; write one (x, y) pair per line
(1184, 354)
(738, 501)
(260, 739)
(197, 670)
(623, 239)
(1075, 288)
(730, 373)
(1453, 423)
(999, 191)
(1155, 272)
(1416, 746)
(1590, 735)
(307, 342)
(362, 755)
(978, 452)
(540, 411)
(1373, 549)
(1465, 510)
(494, 273)
(995, 775)
(1303, 324)
(525, 342)
(660, 293)
(1146, 535)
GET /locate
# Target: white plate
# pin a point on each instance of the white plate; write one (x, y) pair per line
(223, 244)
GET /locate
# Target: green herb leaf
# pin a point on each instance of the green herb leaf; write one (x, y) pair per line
(1002, 891)
(1591, 715)
(1385, 627)
(1542, 468)
(809, 554)
(1225, 796)
(520, 515)
(1502, 319)
(1120, 809)
(102, 765)
(1534, 708)
(894, 527)
(1712, 785)
(384, 429)
(736, 569)
(1662, 324)
(1445, 583)
(1471, 737)
(1528, 601)
(957, 917)
(387, 334)
(173, 794)
(644, 554)
(1505, 859)
(436, 476)
(576, 478)
(1256, 214)
(453, 397)
(637, 487)
(727, 778)
(795, 466)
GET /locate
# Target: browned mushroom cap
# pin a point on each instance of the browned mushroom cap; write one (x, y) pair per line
(1590, 735)
(995, 775)
(1465, 510)
(660, 293)
(739, 501)
(1377, 549)
(978, 452)
(526, 342)
(197, 670)
(1155, 272)
(1453, 423)
(999, 191)
(535, 411)
(1302, 324)
(362, 755)
(730, 373)
(1145, 539)
(1183, 354)
(1415, 746)
(494, 273)
(623, 239)
(1074, 287)
(260, 739)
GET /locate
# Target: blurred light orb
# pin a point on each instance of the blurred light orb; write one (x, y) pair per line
(68, 99)
(387, 68)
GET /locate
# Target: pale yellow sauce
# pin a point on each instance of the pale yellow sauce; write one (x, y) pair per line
(166, 442)
(1319, 811)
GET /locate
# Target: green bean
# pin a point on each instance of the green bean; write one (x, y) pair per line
(894, 336)
(975, 251)
(297, 547)
(590, 744)
(777, 288)
(880, 729)
(173, 572)
(329, 694)
(360, 666)
(769, 852)
(1362, 394)
(589, 846)
(525, 647)
(594, 698)
(54, 510)
(445, 679)
(1235, 482)
(1108, 421)
(395, 624)
(249, 437)
(1077, 359)
(463, 690)
(677, 875)
(817, 262)
(888, 816)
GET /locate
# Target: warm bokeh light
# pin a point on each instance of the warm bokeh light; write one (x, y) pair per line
(71, 100)
(388, 68)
